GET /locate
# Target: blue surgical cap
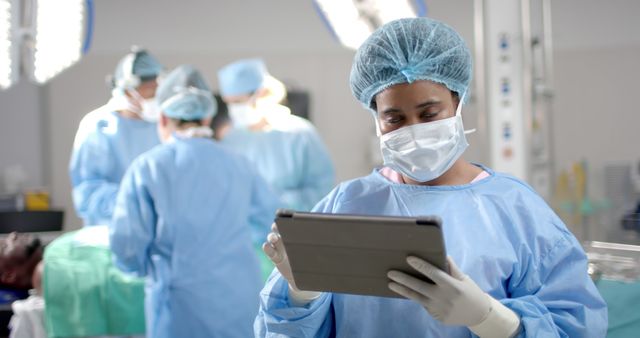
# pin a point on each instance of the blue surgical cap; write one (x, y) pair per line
(242, 77)
(408, 50)
(135, 68)
(184, 94)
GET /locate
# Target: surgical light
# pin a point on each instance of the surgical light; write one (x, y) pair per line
(58, 37)
(9, 53)
(352, 21)
(41, 38)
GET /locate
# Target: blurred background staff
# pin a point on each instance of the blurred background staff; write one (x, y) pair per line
(286, 149)
(183, 217)
(111, 137)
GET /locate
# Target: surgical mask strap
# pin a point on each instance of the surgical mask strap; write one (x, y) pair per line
(459, 112)
(254, 100)
(138, 98)
(135, 94)
(378, 132)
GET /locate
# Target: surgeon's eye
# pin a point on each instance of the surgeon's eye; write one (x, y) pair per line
(429, 115)
(394, 119)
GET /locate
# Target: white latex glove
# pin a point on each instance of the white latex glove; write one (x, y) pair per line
(274, 249)
(455, 299)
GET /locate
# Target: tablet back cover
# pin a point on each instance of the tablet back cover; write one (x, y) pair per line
(352, 254)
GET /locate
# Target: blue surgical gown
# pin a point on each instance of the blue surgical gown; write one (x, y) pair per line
(105, 145)
(182, 220)
(497, 230)
(290, 156)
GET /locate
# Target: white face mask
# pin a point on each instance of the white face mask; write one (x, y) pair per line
(425, 151)
(149, 109)
(243, 115)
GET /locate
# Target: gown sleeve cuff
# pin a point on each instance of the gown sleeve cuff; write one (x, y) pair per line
(500, 322)
(299, 298)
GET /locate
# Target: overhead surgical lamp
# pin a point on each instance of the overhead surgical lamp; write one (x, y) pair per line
(352, 21)
(41, 38)
(9, 50)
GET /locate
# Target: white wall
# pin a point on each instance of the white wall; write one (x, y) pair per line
(596, 117)
(596, 48)
(21, 133)
(595, 24)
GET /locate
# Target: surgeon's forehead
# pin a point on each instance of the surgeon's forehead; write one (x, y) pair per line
(148, 84)
(423, 90)
(4, 248)
(3, 253)
(8, 243)
(237, 98)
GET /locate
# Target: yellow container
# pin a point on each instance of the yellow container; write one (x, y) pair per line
(36, 200)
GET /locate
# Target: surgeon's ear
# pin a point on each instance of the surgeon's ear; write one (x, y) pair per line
(262, 92)
(456, 99)
(164, 121)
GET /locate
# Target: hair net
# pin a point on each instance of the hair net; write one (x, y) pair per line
(242, 77)
(135, 68)
(184, 94)
(408, 50)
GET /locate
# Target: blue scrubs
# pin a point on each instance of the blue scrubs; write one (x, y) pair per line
(497, 230)
(104, 147)
(290, 157)
(182, 219)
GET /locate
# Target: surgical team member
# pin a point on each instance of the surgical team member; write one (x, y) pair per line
(285, 149)
(110, 137)
(182, 220)
(515, 269)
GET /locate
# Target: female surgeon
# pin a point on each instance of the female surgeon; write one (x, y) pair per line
(515, 269)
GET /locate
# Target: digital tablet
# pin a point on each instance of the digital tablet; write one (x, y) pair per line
(353, 253)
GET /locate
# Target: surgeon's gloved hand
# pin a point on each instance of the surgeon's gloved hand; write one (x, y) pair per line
(274, 249)
(455, 299)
